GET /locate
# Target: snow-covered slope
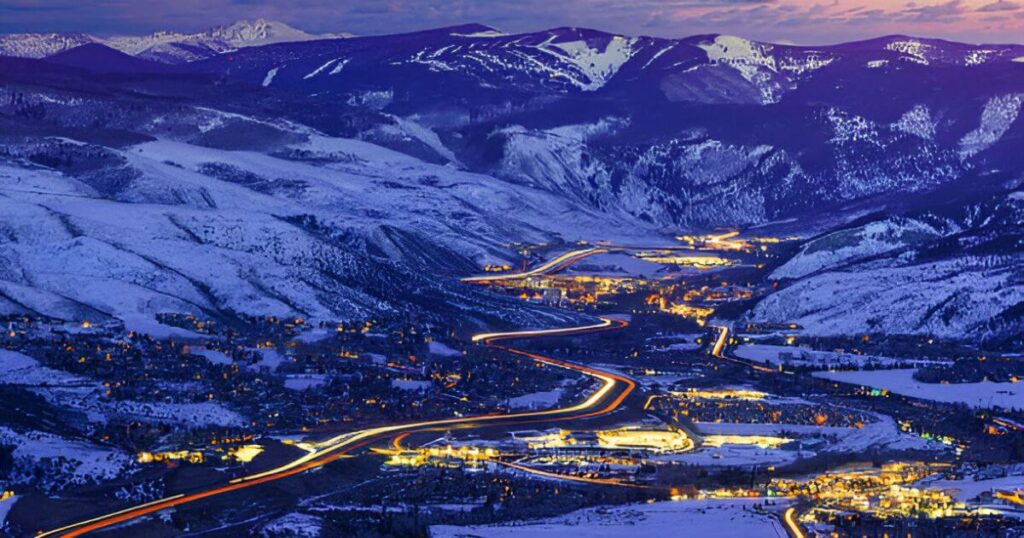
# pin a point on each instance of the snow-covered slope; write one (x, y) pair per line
(41, 45)
(956, 276)
(312, 225)
(845, 246)
(496, 138)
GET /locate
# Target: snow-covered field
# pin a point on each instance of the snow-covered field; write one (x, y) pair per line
(720, 518)
(536, 400)
(735, 455)
(304, 381)
(883, 433)
(410, 384)
(442, 350)
(212, 355)
(618, 264)
(985, 394)
(295, 525)
(814, 358)
(53, 462)
(968, 489)
(20, 369)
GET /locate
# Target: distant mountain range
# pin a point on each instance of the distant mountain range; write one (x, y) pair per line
(600, 135)
(166, 47)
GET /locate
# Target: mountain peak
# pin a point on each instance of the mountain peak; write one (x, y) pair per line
(100, 58)
(260, 31)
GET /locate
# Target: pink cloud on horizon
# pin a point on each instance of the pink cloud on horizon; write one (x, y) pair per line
(797, 21)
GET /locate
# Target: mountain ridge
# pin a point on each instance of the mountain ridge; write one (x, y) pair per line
(164, 46)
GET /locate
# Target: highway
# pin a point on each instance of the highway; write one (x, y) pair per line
(565, 260)
(608, 397)
(551, 266)
(792, 525)
(718, 350)
(613, 391)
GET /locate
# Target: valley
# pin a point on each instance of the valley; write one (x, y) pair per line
(257, 281)
(660, 405)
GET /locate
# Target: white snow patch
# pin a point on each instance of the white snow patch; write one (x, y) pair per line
(753, 61)
(984, 394)
(968, 489)
(294, 525)
(917, 121)
(440, 349)
(304, 381)
(997, 116)
(598, 66)
(979, 56)
(410, 384)
(722, 518)
(485, 33)
(318, 70)
(849, 128)
(340, 65)
(537, 400)
(212, 355)
(912, 50)
(270, 76)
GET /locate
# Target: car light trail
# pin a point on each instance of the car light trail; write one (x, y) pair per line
(718, 350)
(792, 525)
(555, 264)
(337, 447)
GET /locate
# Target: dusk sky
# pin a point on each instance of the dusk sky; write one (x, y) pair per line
(807, 22)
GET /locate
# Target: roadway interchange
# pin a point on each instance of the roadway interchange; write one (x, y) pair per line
(607, 398)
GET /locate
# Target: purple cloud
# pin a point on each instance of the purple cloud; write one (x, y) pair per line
(801, 21)
(1000, 5)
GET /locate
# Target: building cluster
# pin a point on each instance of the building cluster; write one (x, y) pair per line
(287, 375)
(743, 406)
(885, 492)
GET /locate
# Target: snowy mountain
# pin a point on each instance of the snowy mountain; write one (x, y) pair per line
(438, 148)
(38, 45)
(173, 47)
(165, 47)
(956, 272)
(157, 207)
(707, 130)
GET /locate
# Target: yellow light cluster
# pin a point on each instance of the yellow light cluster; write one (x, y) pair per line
(243, 453)
(657, 440)
(173, 455)
(699, 262)
(425, 456)
(699, 313)
(760, 441)
(721, 394)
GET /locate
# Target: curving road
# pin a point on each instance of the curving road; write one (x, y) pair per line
(613, 391)
(554, 265)
(718, 350)
(792, 525)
